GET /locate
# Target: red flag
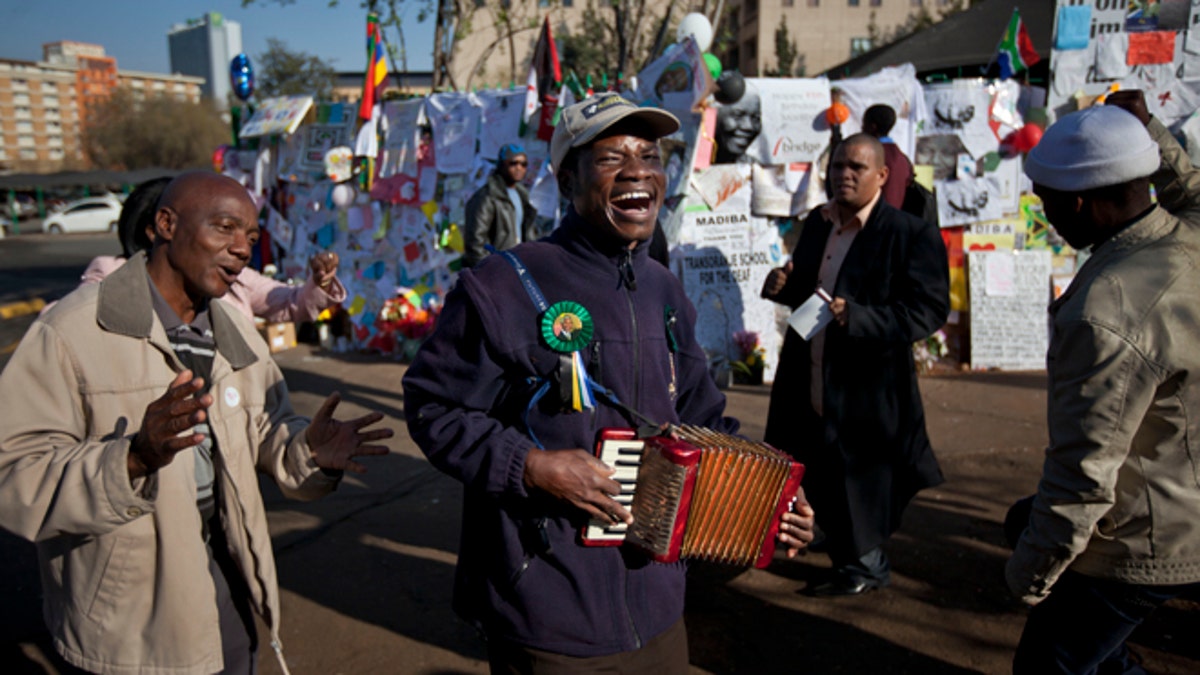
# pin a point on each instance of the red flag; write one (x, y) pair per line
(541, 87)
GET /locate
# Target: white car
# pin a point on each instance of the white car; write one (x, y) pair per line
(91, 214)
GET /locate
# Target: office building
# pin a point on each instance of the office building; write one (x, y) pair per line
(44, 105)
(203, 48)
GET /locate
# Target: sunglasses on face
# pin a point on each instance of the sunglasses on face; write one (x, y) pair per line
(517, 162)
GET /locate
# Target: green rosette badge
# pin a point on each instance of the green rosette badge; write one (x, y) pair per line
(567, 327)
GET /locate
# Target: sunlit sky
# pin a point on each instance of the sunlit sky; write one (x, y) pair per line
(135, 31)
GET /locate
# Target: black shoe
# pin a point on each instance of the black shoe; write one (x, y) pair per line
(840, 586)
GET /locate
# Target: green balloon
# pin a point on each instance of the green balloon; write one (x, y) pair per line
(714, 64)
(991, 161)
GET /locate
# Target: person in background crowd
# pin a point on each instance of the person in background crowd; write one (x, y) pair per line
(1114, 529)
(251, 293)
(500, 215)
(846, 403)
(137, 412)
(546, 603)
(878, 121)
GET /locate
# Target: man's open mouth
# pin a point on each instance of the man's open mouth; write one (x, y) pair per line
(636, 201)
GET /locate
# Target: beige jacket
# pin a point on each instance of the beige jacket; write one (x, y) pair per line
(124, 569)
(1120, 491)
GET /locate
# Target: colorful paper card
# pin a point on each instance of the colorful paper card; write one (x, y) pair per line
(1074, 27)
(1151, 48)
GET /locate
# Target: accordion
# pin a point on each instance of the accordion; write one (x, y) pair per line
(700, 495)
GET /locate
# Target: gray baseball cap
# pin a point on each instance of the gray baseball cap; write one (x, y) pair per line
(583, 122)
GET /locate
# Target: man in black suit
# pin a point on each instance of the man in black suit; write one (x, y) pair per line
(846, 403)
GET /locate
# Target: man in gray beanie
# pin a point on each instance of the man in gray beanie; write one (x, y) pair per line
(1115, 526)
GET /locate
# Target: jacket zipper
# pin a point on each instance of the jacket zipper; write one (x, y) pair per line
(629, 284)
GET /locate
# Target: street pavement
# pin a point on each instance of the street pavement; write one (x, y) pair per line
(366, 574)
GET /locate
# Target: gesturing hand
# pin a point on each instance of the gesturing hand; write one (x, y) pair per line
(577, 477)
(776, 280)
(335, 444)
(1133, 101)
(324, 268)
(160, 439)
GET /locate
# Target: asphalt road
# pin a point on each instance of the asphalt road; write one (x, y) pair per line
(366, 573)
(44, 266)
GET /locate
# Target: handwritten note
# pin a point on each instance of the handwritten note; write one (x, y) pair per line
(1009, 329)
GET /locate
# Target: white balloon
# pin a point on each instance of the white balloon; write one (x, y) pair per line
(342, 195)
(696, 25)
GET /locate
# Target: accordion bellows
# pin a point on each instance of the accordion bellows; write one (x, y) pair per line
(700, 495)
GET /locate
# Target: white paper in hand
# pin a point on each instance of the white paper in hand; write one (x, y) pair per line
(812, 316)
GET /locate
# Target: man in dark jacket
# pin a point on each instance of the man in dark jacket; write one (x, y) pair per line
(846, 403)
(473, 398)
(500, 214)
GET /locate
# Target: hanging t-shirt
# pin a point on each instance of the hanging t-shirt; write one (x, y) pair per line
(455, 122)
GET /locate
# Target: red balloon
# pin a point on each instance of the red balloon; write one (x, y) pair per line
(1029, 136)
(837, 113)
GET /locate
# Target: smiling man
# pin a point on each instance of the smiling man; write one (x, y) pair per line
(136, 414)
(483, 402)
(846, 403)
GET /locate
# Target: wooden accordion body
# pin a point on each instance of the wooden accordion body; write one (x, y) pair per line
(701, 495)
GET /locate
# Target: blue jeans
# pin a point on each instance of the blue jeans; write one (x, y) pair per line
(1082, 626)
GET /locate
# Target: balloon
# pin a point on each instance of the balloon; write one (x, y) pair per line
(342, 195)
(837, 113)
(218, 158)
(1022, 140)
(1028, 136)
(697, 26)
(241, 76)
(730, 87)
(714, 65)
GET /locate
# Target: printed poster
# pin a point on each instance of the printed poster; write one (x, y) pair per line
(794, 128)
(724, 259)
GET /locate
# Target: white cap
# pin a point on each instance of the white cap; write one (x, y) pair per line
(1097, 147)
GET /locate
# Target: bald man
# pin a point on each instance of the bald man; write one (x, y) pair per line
(137, 412)
(846, 403)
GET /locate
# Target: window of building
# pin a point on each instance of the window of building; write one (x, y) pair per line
(50, 101)
(876, 3)
(750, 50)
(568, 3)
(23, 113)
(54, 141)
(3, 154)
(20, 99)
(20, 85)
(25, 140)
(56, 153)
(814, 3)
(750, 8)
(916, 3)
(789, 3)
(137, 84)
(158, 86)
(853, 3)
(49, 88)
(859, 45)
(28, 154)
(25, 128)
